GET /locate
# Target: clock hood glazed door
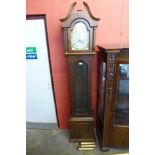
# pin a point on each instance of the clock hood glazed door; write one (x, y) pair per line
(80, 37)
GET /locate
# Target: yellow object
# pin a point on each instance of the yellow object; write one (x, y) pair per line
(84, 145)
(83, 149)
(87, 143)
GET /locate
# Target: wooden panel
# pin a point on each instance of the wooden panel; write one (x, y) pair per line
(81, 129)
(120, 136)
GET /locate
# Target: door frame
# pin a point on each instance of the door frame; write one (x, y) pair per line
(43, 16)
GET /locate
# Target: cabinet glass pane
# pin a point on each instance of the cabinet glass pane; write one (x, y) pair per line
(102, 88)
(121, 116)
(80, 37)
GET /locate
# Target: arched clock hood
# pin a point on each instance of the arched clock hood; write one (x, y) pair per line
(71, 19)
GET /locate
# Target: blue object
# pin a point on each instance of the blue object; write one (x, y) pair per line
(31, 56)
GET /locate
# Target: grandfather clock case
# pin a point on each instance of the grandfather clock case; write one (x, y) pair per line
(79, 44)
(113, 98)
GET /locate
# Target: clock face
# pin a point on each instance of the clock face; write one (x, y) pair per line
(80, 37)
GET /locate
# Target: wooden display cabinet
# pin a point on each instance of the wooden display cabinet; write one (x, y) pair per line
(113, 98)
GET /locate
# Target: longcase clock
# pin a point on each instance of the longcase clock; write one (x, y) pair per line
(79, 46)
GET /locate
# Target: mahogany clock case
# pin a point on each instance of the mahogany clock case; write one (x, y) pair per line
(79, 46)
(113, 98)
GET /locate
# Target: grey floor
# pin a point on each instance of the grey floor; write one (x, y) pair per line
(56, 142)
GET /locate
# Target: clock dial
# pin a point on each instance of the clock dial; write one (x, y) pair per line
(80, 37)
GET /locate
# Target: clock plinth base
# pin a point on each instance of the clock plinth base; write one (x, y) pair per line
(82, 129)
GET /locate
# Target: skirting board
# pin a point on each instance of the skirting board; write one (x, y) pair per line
(36, 125)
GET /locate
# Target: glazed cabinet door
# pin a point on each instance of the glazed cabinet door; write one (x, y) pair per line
(120, 109)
